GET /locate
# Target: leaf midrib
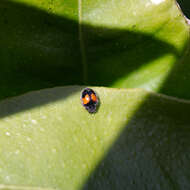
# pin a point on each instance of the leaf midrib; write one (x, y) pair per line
(82, 45)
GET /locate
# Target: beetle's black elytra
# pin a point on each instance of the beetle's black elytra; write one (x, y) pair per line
(89, 100)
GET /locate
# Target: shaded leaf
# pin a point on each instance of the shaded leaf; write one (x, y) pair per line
(112, 43)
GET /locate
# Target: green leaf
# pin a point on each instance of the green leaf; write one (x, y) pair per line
(13, 187)
(137, 139)
(117, 43)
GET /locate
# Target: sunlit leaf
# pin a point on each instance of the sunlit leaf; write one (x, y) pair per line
(136, 139)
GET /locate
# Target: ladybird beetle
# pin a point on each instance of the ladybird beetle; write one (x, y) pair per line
(89, 100)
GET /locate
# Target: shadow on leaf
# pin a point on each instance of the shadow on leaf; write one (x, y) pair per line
(41, 50)
(151, 152)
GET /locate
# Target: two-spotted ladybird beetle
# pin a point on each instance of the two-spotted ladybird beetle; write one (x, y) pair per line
(90, 100)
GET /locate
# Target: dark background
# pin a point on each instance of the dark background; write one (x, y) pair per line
(185, 6)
